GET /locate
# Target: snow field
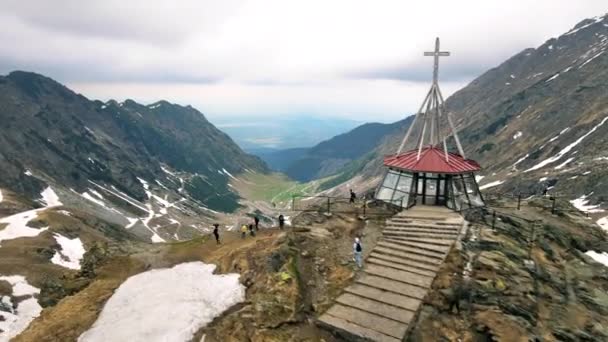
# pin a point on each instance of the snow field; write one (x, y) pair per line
(166, 304)
(71, 253)
(19, 318)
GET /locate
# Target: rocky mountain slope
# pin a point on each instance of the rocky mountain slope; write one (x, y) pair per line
(537, 120)
(149, 168)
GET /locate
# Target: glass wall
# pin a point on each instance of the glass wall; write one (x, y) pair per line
(472, 190)
(395, 188)
(457, 192)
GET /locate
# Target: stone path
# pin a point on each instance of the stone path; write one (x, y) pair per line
(398, 273)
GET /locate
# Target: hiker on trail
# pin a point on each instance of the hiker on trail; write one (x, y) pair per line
(353, 196)
(256, 219)
(460, 290)
(251, 231)
(216, 233)
(358, 252)
(243, 231)
(545, 191)
(281, 221)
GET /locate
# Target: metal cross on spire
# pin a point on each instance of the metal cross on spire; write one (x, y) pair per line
(431, 112)
(437, 53)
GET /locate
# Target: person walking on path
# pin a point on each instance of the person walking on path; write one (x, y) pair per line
(216, 233)
(251, 231)
(281, 221)
(358, 252)
(353, 196)
(256, 219)
(243, 231)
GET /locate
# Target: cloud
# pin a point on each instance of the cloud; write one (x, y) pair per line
(232, 57)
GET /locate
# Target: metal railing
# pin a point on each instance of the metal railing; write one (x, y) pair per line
(335, 204)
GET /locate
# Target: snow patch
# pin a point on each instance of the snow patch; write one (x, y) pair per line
(50, 198)
(582, 204)
(602, 258)
(552, 78)
(16, 226)
(1, 198)
(93, 199)
(229, 174)
(542, 179)
(132, 222)
(573, 31)
(560, 166)
(144, 183)
(517, 135)
(19, 318)
(566, 149)
(478, 178)
(492, 184)
(520, 160)
(71, 252)
(592, 58)
(603, 223)
(167, 171)
(189, 293)
(27, 172)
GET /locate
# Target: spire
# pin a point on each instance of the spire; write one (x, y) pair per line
(431, 112)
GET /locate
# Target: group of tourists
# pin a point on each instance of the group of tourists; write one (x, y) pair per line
(250, 228)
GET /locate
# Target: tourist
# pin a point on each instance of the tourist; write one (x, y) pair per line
(281, 221)
(460, 290)
(256, 219)
(216, 233)
(243, 231)
(251, 231)
(353, 196)
(358, 252)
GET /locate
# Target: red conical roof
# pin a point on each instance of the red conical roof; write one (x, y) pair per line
(432, 159)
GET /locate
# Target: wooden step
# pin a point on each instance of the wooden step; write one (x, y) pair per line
(409, 256)
(402, 248)
(387, 297)
(387, 285)
(371, 321)
(428, 247)
(399, 266)
(405, 262)
(421, 235)
(422, 229)
(351, 329)
(436, 242)
(397, 275)
(375, 307)
(407, 223)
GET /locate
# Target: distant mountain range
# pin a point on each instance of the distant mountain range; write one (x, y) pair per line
(330, 156)
(260, 135)
(538, 120)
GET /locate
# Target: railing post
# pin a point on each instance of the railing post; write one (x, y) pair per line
(493, 219)
(401, 205)
(293, 203)
(552, 198)
(519, 201)
(328, 205)
(364, 206)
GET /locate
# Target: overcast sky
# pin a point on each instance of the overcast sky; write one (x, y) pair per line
(359, 59)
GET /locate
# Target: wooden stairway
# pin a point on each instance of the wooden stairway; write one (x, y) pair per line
(396, 277)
